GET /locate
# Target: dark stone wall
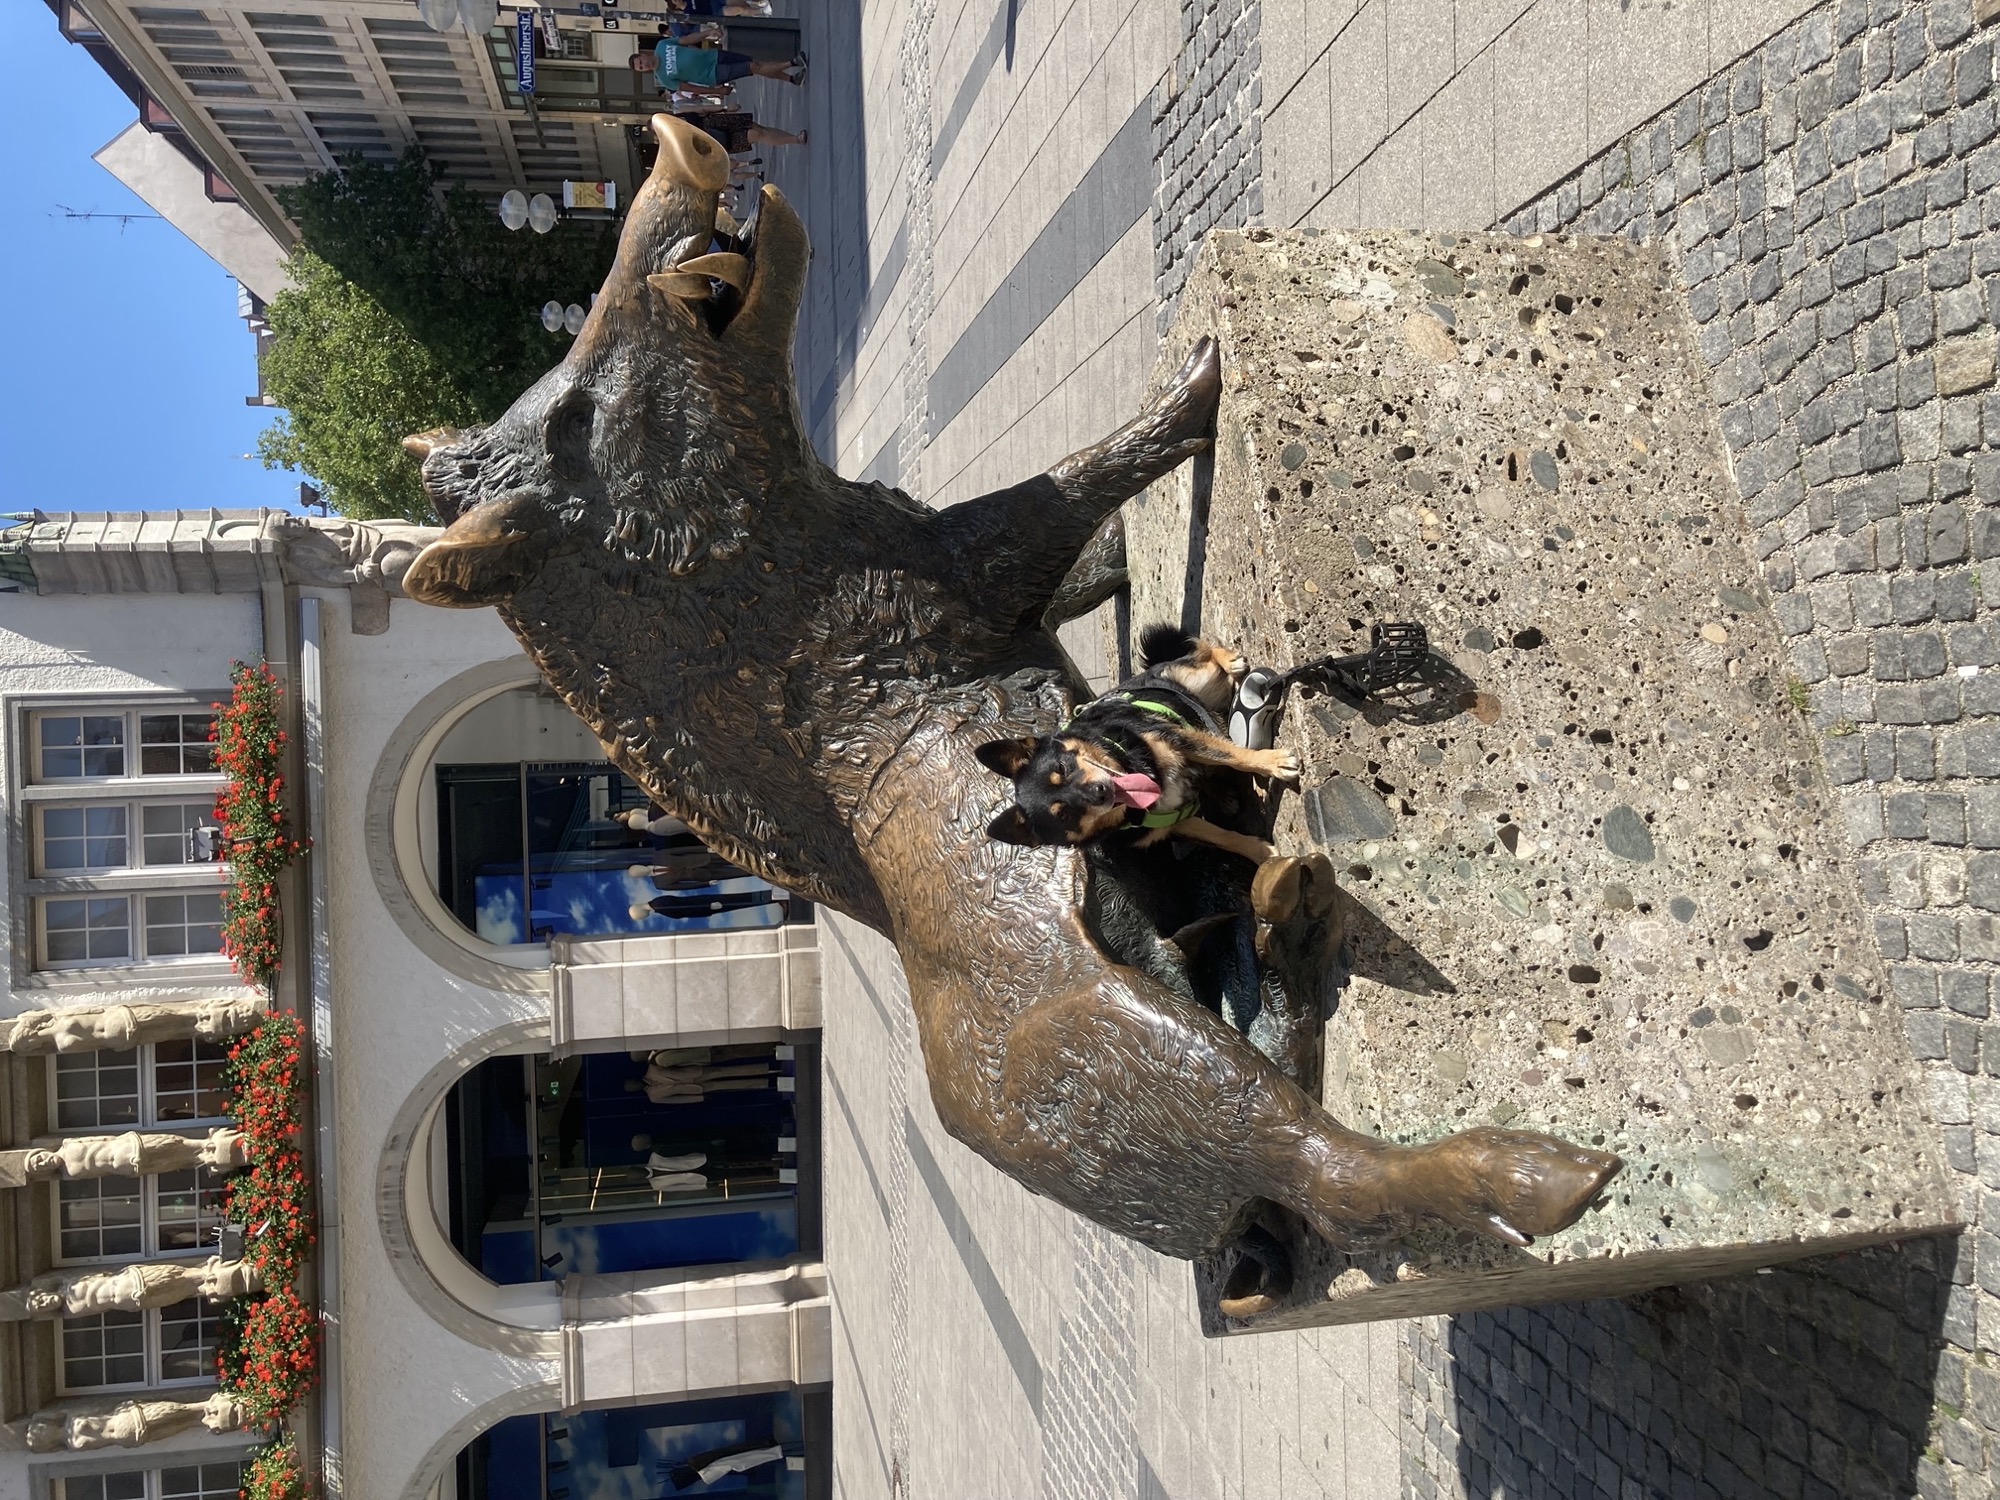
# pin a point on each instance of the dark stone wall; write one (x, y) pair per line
(1208, 158)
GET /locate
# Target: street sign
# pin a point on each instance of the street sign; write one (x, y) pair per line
(524, 50)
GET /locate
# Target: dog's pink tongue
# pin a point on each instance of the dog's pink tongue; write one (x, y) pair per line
(1137, 789)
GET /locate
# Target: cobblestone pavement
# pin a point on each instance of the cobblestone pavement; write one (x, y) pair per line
(1003, 196)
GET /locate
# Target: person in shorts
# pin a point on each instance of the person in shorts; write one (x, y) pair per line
(737, 131)
(703, 69)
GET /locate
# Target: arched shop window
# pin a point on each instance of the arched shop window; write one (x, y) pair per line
(758, 1447)
(537, 834)
(621, 1161)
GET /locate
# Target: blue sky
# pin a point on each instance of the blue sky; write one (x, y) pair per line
(126, 366)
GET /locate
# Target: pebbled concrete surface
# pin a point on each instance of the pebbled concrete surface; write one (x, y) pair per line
(1596, 890)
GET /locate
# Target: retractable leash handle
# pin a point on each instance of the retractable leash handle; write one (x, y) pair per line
(1396, 654)
(1260, 701)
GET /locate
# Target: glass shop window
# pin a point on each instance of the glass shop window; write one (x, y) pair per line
(528, 850)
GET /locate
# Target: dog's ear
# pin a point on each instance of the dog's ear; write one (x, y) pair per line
(1006, 757)
(1013, 827)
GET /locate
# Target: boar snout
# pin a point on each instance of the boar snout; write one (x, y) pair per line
(486, 555)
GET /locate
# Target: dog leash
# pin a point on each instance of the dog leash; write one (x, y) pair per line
(1396, 654)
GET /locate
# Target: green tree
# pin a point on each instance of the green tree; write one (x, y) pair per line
(438, 260)
(352, 383)
(414, 307)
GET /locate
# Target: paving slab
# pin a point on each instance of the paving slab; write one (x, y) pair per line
(1593, 884)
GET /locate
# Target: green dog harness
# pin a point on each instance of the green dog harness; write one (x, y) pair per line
(1154, 706)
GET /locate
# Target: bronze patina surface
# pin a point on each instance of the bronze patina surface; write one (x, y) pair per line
(802, 666)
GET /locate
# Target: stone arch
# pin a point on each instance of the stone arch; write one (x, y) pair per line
(524, 1401)
(523, 1321)
(393, 838)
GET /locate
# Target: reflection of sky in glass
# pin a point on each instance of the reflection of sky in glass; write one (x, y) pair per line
(499, 909)
(590, 1249)
(598, 903)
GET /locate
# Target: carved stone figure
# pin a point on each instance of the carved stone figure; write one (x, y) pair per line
(368, 558)
(132, 1153)
(336, 552)
(122, 1026)
(222, 1279)
(133, 1288)
(800, 667)
(85, 1426)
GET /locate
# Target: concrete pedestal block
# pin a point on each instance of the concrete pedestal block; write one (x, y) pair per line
(1595, 883)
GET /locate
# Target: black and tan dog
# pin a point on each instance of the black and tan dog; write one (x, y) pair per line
(1134, 758)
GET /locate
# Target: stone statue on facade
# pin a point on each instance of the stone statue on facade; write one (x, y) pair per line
(368, 558)
(802, 667)
(133, 1288)
(127, 1422)
(132, 1153)
(118, 1027)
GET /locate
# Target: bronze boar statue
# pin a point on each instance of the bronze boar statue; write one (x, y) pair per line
(801, 667)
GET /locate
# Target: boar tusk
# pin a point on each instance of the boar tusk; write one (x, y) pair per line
(686, 285)
(723, 266)
(771, 305)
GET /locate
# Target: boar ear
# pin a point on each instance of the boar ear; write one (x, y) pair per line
(1006, 757)
(566, 431)
(1013, 827)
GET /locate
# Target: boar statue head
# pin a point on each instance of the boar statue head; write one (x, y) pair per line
(652, 521)
(674, 384)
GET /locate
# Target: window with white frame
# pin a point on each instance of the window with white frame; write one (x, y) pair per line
(93, 745)
(106, 1349)
(162, 1084)
(186, 1212)
(185, 1080)
(97, 1090)
(162, 1346)
(128, 1218)
(191, 1481)
(113, 798)
(100, 1218)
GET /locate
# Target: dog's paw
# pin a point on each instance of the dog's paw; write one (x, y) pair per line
(1283, 766)
(1233, 663)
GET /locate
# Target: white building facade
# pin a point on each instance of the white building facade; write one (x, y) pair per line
(562, 1119)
